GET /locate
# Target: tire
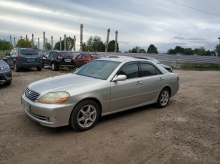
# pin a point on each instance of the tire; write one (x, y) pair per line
(8, 83)
(39, 68)
(54, 67)
(85, 115)
(16, 69)
(163, 98)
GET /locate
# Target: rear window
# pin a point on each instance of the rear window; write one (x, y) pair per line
(29, 52)
(65, 54)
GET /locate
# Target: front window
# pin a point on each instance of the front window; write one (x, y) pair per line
(99, 69)
(130, 70)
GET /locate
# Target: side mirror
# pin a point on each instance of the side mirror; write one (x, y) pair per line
(119, 78)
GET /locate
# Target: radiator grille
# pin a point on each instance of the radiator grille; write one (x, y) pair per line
(32, 95)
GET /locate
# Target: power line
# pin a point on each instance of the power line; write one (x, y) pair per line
(194, 8)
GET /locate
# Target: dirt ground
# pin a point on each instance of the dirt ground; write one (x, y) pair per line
(186, 131)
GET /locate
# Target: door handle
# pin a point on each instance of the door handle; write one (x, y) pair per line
(161, 79)
(138, 82)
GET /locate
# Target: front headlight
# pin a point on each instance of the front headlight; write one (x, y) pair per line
(54, 98)
(5, 68)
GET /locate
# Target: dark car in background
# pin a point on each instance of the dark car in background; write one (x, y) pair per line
(84, 58)
(58, 59)
(24, 58)
(168, 68)
(5, 73)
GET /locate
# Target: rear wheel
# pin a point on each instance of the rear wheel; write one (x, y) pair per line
(54, 67)
(16, 67)
(163, 98)
(84, 115)
(39, 68)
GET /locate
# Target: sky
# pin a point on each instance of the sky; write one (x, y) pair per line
(163, 23)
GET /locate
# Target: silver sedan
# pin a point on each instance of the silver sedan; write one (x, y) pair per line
(99, 88)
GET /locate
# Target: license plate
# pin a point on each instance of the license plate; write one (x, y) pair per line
(67, 60)
(31, 60)
(25, 105)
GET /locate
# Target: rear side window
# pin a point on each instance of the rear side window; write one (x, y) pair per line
(29, 52)
(95, 56)
(149, 70)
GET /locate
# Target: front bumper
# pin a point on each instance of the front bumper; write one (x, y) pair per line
(5, 77)
(50, 115)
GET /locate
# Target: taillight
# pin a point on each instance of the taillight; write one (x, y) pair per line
(59, 58)
(19, 58)
(41, 58)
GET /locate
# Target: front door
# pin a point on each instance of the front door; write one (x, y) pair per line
(128, 93)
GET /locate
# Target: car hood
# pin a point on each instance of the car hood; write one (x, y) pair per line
(62, 83)
(2, 63)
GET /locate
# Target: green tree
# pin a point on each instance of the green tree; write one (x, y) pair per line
(5, 45)
(200, 51)
(152, 49)
(57, 45)
(179, 49)
(69, 44)
(24, 43)
(217, 49)
(48, 46)
(171, 51)
(111, 46)
(94, 44)
(188, 51)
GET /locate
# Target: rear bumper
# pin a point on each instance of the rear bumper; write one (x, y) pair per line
(20, 64)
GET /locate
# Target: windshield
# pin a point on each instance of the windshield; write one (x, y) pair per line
(100, 69)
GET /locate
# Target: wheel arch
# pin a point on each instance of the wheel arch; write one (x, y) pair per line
(93, 99)
(169, 89)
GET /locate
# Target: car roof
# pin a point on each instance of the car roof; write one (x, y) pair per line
(124, 59)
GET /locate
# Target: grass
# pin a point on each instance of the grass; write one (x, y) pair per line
(205, 67)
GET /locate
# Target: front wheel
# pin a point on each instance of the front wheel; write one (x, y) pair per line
(84, 115)
(163, 98)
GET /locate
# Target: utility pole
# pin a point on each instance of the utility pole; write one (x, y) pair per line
(10, 40)
(32, 40)
(64, 42)
(74, 44)
(51, 42)
(44, 41)
(116, 40)
(81, 37)
(107, 40)
(14, 41)
(38, 43)
(60, 44)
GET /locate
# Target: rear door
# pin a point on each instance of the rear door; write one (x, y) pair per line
(152, 81)
(125, 94)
